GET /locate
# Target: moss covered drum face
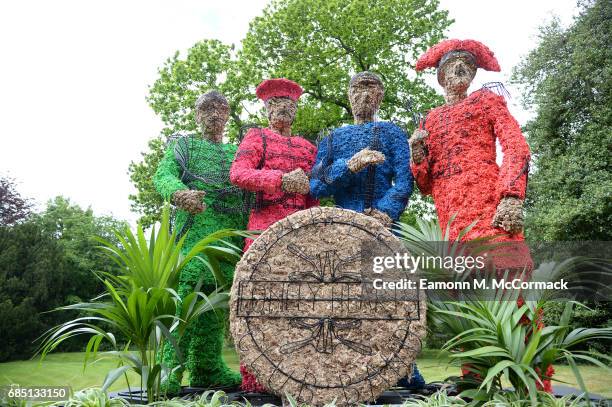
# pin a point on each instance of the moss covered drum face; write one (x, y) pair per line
(303, 316)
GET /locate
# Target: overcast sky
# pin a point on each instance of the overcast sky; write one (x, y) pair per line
(74, 76)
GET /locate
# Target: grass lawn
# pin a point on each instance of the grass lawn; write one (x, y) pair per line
(67, 369)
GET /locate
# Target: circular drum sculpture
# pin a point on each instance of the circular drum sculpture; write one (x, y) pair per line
(304, 315)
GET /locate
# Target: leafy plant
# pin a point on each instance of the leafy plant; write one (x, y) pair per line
(512, 399)
(12, 402)
(591, 315)
(209, 398)
(142, 304)
(157, 262)
(93, 398)
(505, 340)
(294, 403)
(428, 238)
(438, 399)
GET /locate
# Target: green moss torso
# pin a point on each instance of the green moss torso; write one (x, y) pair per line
(210, 162)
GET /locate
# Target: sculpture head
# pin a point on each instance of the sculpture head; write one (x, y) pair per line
(212, 112)
(281, 111)
(280, 97)
(366, 92)
(456, 62)
(456, 71)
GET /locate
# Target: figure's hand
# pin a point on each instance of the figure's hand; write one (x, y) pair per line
(363, 158)
(296, 182)
(380, 216)
(190, 200)
(418, 146)
(509, 215)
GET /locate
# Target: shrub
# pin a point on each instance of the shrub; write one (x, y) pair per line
(141, 302)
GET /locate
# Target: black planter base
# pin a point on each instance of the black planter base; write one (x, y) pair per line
(393, 397)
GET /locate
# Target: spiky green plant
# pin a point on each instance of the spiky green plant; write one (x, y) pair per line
(294, 403)
(158, 260)
(92, 397)
(504, 340)
(142, 304)
(512, 399)
(428, 238)
(438, 399)
(209, 398)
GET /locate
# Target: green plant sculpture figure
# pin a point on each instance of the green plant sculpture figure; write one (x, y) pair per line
(194, 176)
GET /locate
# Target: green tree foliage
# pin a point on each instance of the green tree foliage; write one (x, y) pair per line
(568, 82)
(317, 43)
(33, 278)
(147, 201)
(45, 262)
(182, 81)
(321, 43)
(75, 230)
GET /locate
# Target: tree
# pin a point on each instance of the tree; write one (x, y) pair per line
(13, 208)
(33, 279)
(75, 230)
(567, 80)
(45, 262)
(320, 44)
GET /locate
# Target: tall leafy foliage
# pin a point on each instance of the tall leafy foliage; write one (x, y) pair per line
(567, 80)
(317, 43)
(504, 340)
(74, 229)
(321, 43)
(33, 278)
(141, 302)
(45, 262)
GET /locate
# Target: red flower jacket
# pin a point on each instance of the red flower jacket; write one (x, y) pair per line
(262, 158)
(460, 170)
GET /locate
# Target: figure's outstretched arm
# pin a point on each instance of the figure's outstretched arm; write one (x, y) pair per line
(512, 181)
(167, 177)
(311, 199)
(396, 198)
(329, 172)
(419, 161)
(244, 172)
(319, 187)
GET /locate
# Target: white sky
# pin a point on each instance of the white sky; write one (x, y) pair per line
(74, 76)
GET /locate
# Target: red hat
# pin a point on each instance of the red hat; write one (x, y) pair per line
(280, 87)
(483, 56)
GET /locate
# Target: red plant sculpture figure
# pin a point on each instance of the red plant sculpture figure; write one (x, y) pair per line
(454, 157)
(275, 165)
